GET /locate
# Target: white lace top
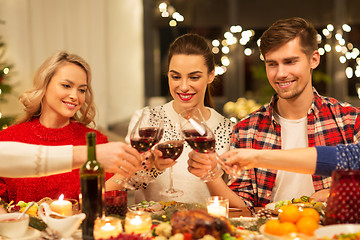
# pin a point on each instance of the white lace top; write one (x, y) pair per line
(194, 189)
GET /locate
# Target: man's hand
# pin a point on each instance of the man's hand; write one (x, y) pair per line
(240, 158)
(118, 157)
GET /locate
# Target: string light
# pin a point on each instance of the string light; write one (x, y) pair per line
(349, 72)
(215, 43)
(342, 59)
(346, 27)
(219, 70)
(172, 23)
(347, 49)
(225, 61)
(215, 50)
(326, 32)
(225, 50)
(168, 10)
(327, 47)
(247, 51)
(330, 27)
(338, 48)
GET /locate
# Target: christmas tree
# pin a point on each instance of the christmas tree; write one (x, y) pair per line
(5, 87)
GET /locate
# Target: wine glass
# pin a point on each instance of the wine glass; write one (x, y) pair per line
(146, 133)
(200, 137)
(172, 149)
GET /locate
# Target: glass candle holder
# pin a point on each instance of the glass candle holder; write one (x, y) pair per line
(75, 205)
(107, 227)
(116, 203)
(217, 206)
(138, 222)
(343, 204)
(62, 206)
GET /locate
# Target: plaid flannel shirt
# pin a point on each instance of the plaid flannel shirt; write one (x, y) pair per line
(330, 122)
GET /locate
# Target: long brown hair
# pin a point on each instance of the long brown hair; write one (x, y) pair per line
(32, 98)
(194, 44)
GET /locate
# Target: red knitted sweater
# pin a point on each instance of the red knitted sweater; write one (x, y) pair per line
(34, 189)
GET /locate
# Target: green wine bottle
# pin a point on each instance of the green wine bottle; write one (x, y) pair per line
(92, 183)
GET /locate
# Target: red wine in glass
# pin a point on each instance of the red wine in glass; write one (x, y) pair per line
(148, 137)
(154, 132)
(143, 144)
(171, 149)
(202, 144)
(200, 138)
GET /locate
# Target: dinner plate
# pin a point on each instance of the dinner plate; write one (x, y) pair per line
(330, 230)
(270, 206)
(31, 234)
(244, 219)
(137, 207)
(269, 236)
(155, 207)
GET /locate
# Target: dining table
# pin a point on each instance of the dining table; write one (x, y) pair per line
(243, 212)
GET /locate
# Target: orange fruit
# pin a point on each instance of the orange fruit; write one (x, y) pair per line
(289, 213)
(310, 212)
(287, 227)
(272, 227)
(307, 225)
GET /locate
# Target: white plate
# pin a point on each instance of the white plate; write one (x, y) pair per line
(330, 230)
(31, 234)
(269, 236)
(270, 206)
(244, 219)
(139, 206)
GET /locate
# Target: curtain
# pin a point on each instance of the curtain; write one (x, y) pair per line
(108, 34)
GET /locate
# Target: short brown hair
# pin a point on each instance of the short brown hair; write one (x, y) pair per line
(282, 31)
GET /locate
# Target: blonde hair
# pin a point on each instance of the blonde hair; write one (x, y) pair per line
(32, 98)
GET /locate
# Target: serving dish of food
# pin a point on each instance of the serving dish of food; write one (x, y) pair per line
(303, 201)
(339, 231)
(155, 207)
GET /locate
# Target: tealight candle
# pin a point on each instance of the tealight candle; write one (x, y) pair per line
(107, 227)
(138, 222)
(61, 206)
(217, 206)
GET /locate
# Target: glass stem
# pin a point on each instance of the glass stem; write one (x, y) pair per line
(171, 179)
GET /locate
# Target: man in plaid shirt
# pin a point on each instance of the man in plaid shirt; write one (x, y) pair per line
(296, 117)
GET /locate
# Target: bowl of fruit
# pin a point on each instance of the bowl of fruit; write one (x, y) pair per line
(292, 219)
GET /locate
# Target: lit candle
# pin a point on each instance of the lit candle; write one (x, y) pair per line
(61, 206)
(107, 227)
(217, 206)
(138, 222)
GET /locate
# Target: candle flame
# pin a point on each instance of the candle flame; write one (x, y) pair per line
(136, 220)
(108, 227)
(61, 197)
(216, 201)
